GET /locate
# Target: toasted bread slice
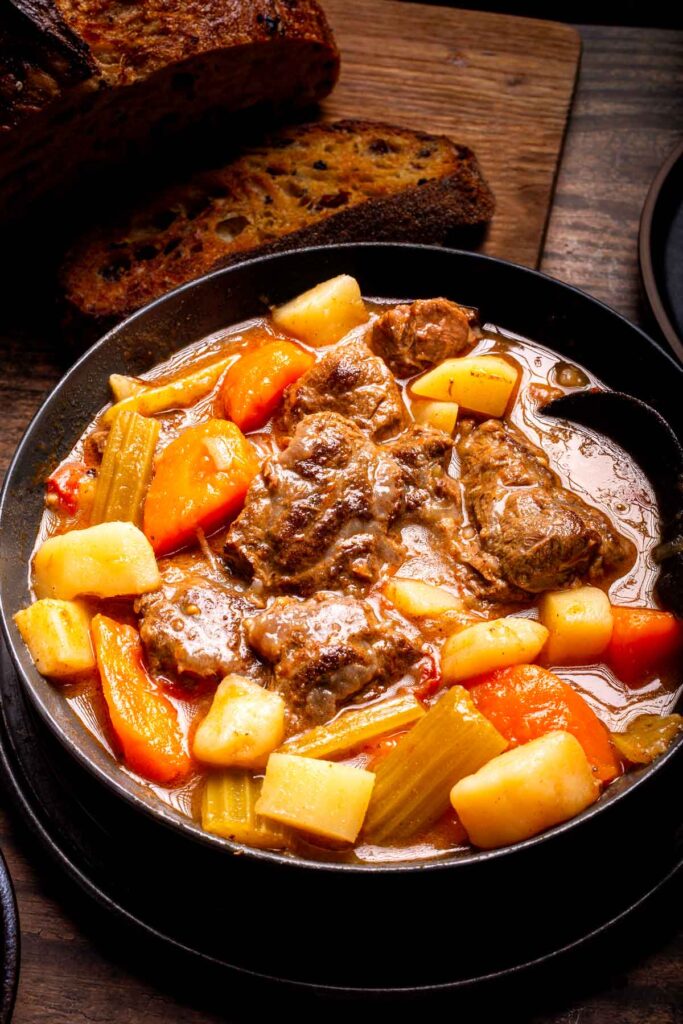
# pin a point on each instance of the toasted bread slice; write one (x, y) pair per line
(312, 184)
(85, 84)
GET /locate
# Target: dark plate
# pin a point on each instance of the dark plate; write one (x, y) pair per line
(129, 869)
(523, 301)
(9, 944)
(661, 249)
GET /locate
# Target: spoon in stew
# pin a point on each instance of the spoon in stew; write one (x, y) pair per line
(640, 430)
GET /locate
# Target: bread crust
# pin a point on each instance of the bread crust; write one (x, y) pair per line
(40, 58)
(90, 83)
(140, 38)
(455, 198)
(73, 40)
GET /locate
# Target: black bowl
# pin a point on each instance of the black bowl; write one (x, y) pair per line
(488, 893)
(660, 249)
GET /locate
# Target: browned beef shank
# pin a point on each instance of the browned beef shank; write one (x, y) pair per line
(194, 627)
(353, 382)
(414, 337)
(318, 515)
(326, 649)
(531, 533)
(422, 454)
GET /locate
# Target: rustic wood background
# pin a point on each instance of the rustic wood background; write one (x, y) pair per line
(76, 968)
(500, 85)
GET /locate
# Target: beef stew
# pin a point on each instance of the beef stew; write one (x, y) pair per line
(344, 612)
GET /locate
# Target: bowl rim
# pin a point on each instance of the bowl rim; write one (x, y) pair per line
(648, 260)
(163, 814)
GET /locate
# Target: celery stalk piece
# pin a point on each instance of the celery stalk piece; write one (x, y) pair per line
(177, 394)
(123, 387)
(646, 737)
(414, 781)
(126, 470)
(228, 810)
(359, 725)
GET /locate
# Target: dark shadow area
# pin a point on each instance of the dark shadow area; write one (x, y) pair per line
(629, 12)
(535, 994)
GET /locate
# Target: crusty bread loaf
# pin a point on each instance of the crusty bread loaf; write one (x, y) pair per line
(311, 184)
(84, 83)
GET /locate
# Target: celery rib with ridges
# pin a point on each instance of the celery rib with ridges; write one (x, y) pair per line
(179, 393)
(414, 781)
(228, 810)
(355, 727)
(126, 469)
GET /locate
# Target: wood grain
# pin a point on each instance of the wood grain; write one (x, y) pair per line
(627, 118)
(76, 967)
(500, 85)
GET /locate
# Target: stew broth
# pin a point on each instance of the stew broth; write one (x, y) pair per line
(590, 465)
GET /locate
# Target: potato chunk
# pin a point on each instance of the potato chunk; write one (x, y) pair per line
(489, 645)
(481, 384)
(244, 725)
(579, 623)
(57, 634)
(107, 560)
(419, 600)
(324, 314)
(525, 790)
(440, 415)
(322, 797)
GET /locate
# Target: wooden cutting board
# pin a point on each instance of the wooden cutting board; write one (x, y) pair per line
(499, 84)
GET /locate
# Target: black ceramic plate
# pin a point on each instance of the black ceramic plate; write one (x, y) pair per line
(9, 944)
(661, 249)
(129, 870)
(322, 901)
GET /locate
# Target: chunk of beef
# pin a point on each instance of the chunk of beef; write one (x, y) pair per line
(317, 516)
(432, 512)
(193, 626)
(532, 533)
(422, 454)
(415, 337)
(328, 648)
(351, 381)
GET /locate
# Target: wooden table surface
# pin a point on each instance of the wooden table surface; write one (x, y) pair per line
(76, 967)
(500, 85)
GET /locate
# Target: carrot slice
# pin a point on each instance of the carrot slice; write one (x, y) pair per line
(643, 642)
(254, 385)
(144, 721)
(200, 481)
(527, 701)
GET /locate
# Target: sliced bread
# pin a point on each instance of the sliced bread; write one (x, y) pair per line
(312, 184)
(87, 83)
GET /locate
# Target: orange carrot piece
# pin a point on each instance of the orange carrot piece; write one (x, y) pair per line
(200, 481)
(643, 642)
(144, 721)
(527, 701)
(254, 385)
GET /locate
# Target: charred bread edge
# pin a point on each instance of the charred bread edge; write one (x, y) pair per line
(44, 17)
(426, 213)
